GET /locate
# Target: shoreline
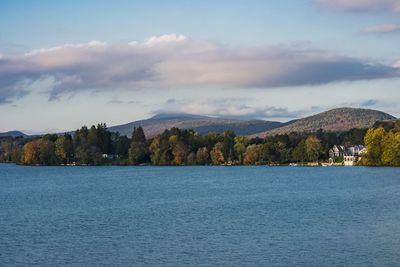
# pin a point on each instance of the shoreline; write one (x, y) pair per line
(222, 165)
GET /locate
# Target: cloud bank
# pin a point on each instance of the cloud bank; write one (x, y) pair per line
(233, 108)
(361, 5)
(172, 61)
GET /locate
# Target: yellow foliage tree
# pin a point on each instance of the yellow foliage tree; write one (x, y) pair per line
(373, 142)
(217, 157)
(252, 155)
(391, 149)
(31, 152)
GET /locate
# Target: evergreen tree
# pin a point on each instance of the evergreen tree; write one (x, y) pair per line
(122, 145)
(228, 143)
(138, 153)
(299, 153)
(138, 135)
(47, 155)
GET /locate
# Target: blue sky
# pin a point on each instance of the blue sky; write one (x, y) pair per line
(223, 58)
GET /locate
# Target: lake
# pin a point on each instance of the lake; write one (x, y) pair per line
(199, 216)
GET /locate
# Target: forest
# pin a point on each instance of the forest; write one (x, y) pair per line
(98, 146)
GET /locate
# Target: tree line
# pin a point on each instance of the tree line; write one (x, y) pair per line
(97, 146)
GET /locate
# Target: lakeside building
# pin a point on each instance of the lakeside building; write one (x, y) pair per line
(350, 155)
(336, 152)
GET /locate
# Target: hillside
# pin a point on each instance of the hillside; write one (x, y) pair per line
(335, 120)
(388, 125)
(201, 124)
(13, 134)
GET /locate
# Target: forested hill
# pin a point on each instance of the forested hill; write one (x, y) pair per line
(200, 124)
(335, 120)
(13, 134)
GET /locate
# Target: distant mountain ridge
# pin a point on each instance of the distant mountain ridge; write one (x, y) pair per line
(201, 124)
(13, 134)
(335, 120)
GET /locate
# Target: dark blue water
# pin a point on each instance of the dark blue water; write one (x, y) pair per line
(199, 216)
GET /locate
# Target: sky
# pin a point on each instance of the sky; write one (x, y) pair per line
(64, 64)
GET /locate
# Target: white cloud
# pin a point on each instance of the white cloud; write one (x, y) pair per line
(383, 28)
(174, 61)
(361, 5)
(89, 44)
(166, 38)
(161, 40)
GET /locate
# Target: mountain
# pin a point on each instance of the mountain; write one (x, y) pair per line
(200, 124)
(335, 120)
(13, 134)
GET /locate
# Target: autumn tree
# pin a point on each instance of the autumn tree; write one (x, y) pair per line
(252, 155)
(240, 147)
(373, 142)
(202, 156)
(217, 155)
(31, 153)
(155, 151)
(64, 149)
(179, 152)
(391, 149)
(313, 148)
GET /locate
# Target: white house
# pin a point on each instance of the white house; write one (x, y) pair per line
(350, 155)
(336, 152)
(353, 155)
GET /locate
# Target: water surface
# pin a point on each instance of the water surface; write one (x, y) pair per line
(199, 216)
